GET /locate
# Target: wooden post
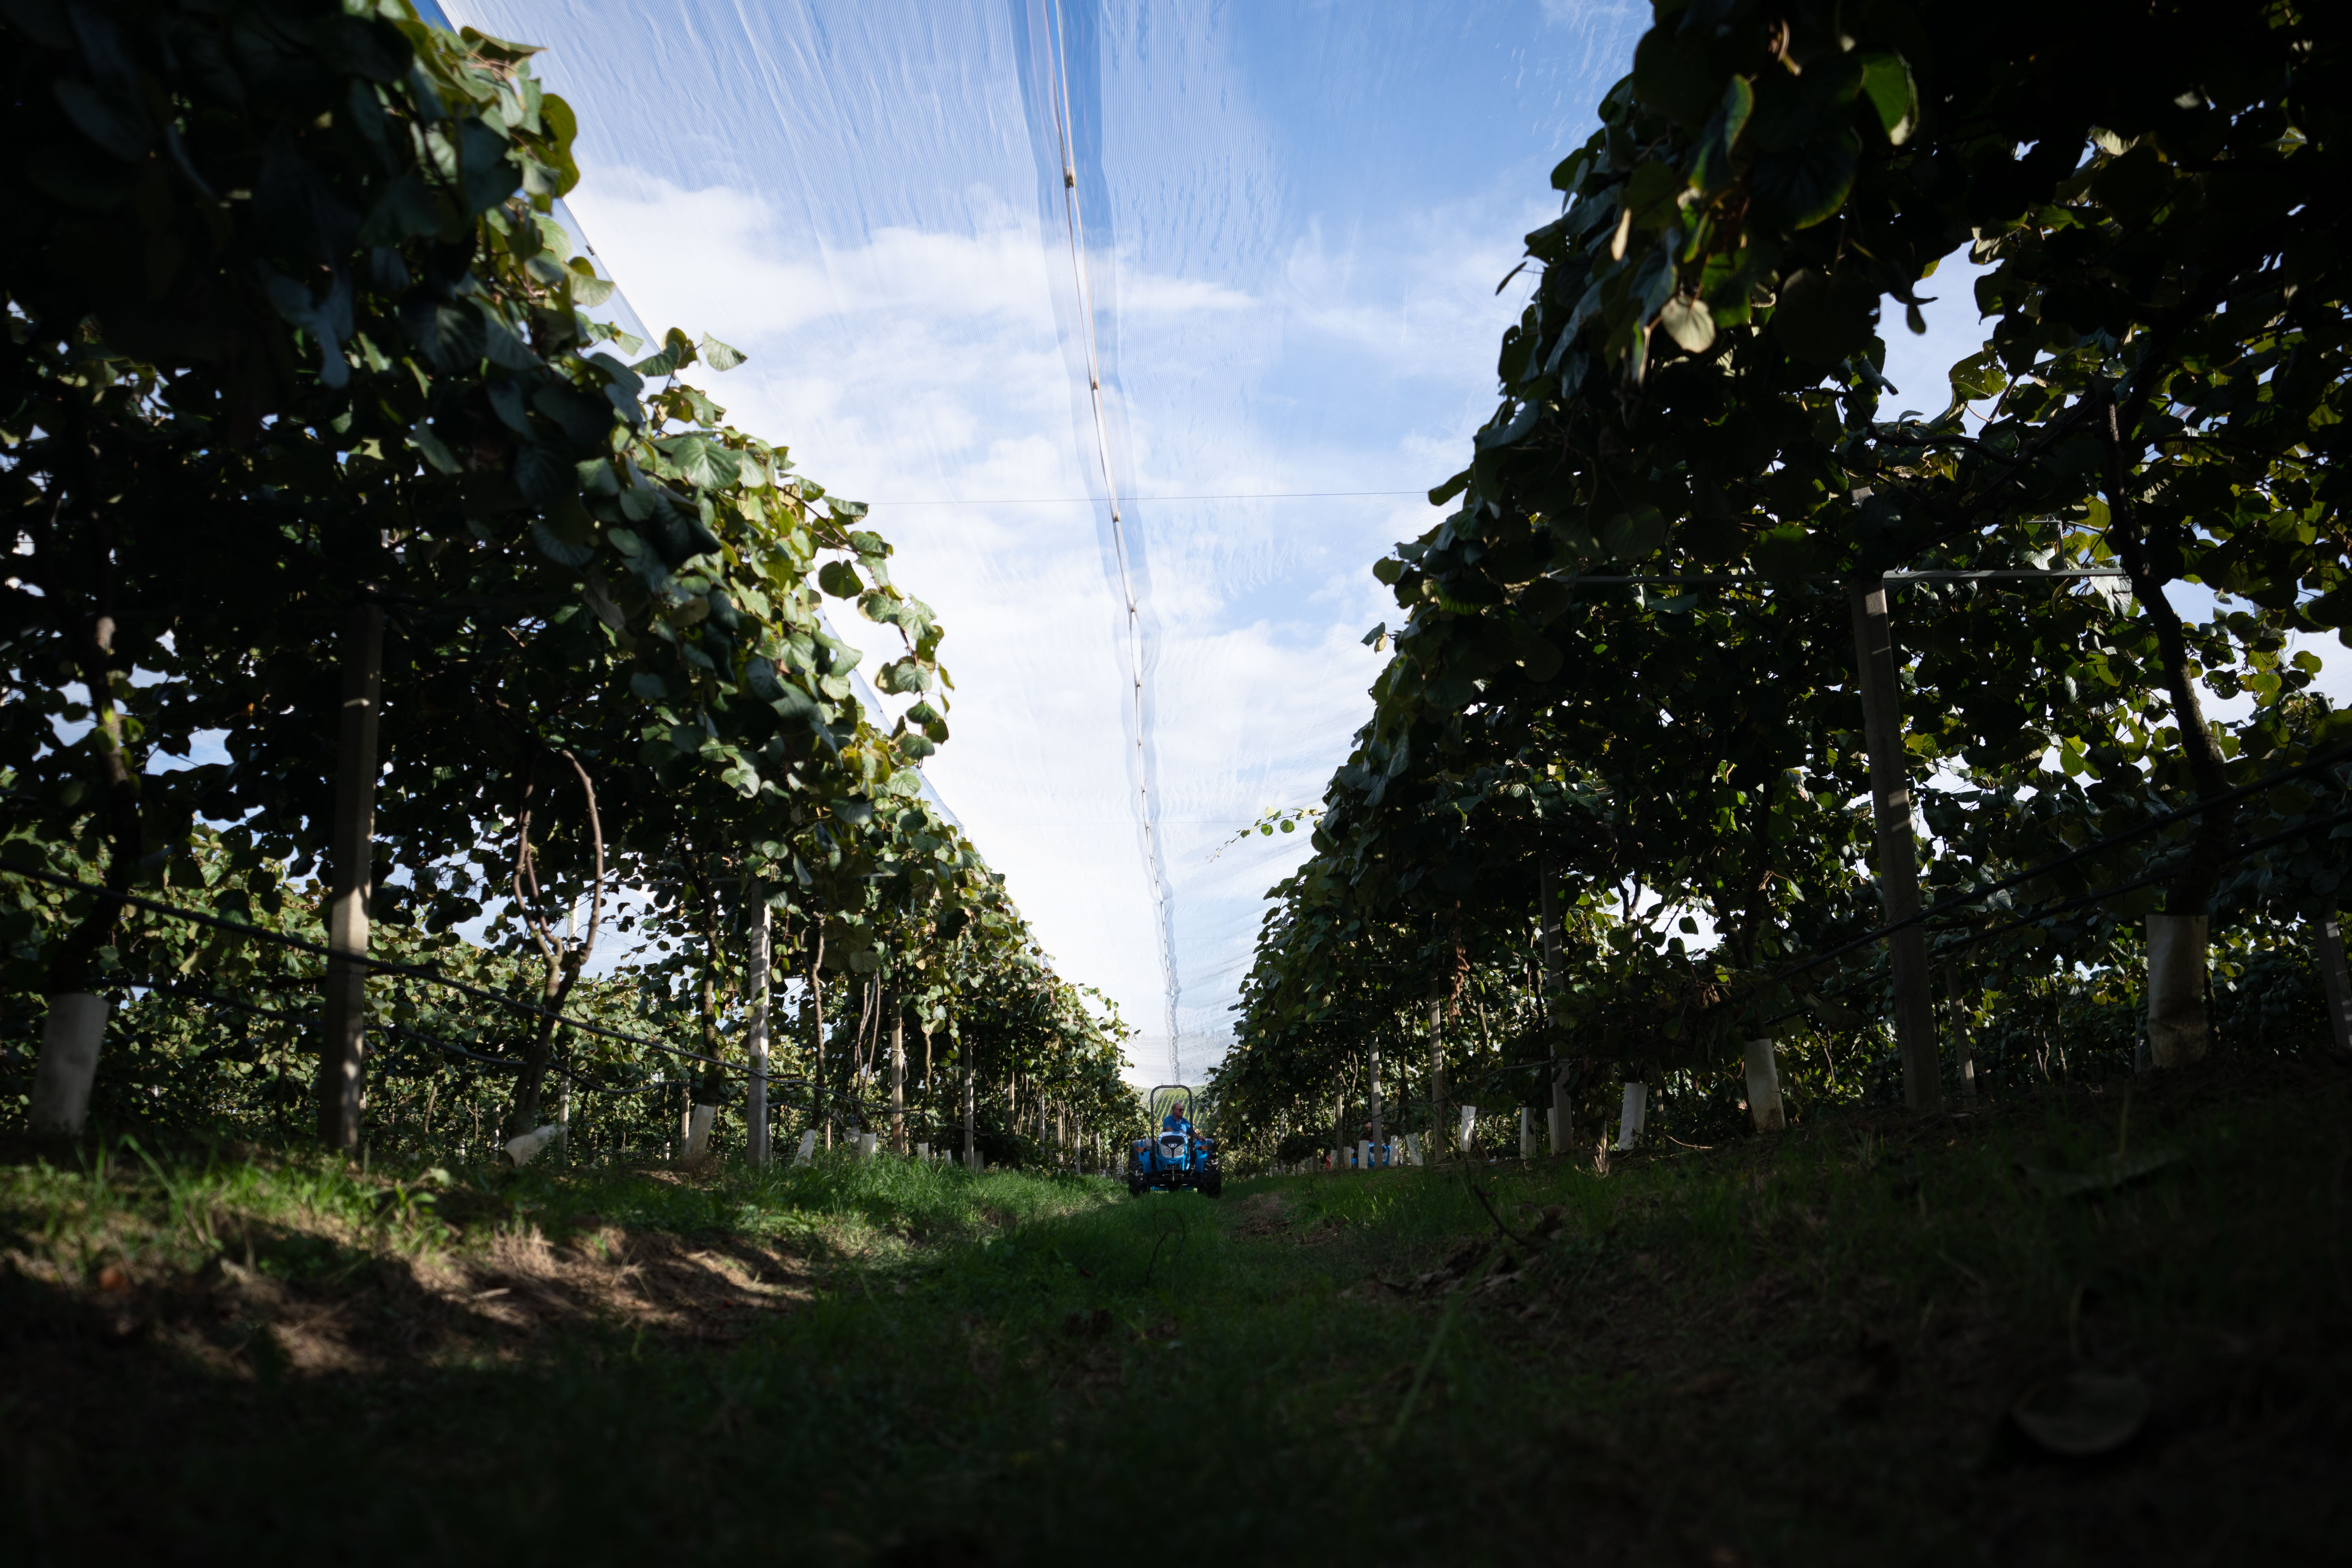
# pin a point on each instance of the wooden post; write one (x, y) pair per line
(343, 1056)
(1437, 1071)
(2334, 978)
(756, 1106)
(898, 1077)
(1898, 866)
(1564, 1120)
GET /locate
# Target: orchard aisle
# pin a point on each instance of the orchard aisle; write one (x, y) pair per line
(914, 1364)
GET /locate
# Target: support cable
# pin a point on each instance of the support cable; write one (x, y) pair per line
(1073, 228)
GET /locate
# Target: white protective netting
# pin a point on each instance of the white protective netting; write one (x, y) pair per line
(1294, 219)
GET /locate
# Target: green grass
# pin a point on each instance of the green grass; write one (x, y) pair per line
(1796, 1349)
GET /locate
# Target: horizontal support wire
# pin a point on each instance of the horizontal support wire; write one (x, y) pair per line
(381, 965)
(2052, 911)
(1978, 895)
(1975, 896)
(2022, 574)
(853, 1101)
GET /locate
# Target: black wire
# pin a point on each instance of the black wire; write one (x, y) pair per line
(2053, 910)
(1978, 895)
(387, 966)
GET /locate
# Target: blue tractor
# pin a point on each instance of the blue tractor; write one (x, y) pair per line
(1178, 1155)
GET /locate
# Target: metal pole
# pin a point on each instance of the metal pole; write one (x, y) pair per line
(343, 1057)
(971, 1144)
(1436, 1075)
(1898, 866)
(1963, 1043)
(757, 1109)
(1563, 1130)
(898, 1077)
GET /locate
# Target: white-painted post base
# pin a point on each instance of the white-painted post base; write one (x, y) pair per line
(1412, 1148)
(866, 1144)
(522, 1151)
(697, 1133)
(2176, 988)
(1764, 1087)
(1469, 1127)
(806, 1152)
(1364, 1155)
(1526, 1133)
(1629, 1120)
(70, 1038)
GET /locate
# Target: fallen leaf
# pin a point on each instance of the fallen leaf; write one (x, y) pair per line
(2084, 1413)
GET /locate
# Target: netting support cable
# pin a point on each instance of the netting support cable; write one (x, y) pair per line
(1074, 228)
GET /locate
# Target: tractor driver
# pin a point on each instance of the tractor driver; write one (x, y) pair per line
(1176, 1120)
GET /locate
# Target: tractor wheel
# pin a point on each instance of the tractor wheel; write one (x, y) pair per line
(1136, 1184)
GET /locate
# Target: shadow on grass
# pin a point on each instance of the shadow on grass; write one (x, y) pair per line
(1800, 1350)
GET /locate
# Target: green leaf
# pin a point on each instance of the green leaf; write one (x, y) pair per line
(1672, 73)
(677, 353)
(588, 290)
(1977, 377)
(1711, 169)
(422, 438)
(491, 176)
(1541, 658)
(1805, 185)
(1689, 323)
(720, 356)
(1503, 432)
(1634, 534)
(117, 125)
(450, 335)
(1822, 320)
(702, 461)
(1886, 82)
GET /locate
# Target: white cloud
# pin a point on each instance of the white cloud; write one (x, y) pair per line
(1287, 307)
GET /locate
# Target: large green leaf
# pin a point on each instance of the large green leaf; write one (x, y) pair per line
(701, 461)
(1802, 185)
(1887, 81)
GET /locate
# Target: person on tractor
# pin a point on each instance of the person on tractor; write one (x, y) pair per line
(1176, 1120)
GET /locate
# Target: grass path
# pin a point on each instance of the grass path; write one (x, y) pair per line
(1795, 1351)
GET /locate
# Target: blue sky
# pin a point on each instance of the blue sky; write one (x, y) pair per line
(1296, 218)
